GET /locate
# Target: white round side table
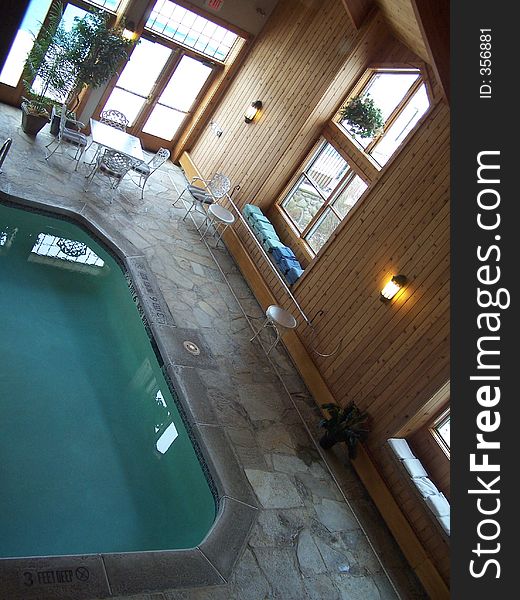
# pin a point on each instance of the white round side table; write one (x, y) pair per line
(220, 217)
(280, 320)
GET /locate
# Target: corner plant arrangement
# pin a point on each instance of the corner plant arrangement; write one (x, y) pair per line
(47, 62)
(349, 425)
(63, 62)
(363, 116)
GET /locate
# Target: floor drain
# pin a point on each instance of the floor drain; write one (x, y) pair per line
(191, 348)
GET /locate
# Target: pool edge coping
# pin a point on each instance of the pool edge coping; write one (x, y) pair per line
(213, 560)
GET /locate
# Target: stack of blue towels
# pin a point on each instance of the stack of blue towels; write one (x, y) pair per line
(282, 255)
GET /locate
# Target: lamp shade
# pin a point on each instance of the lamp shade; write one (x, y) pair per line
(252, 111)
(392, 287)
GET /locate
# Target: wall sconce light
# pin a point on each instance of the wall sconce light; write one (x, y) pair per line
(129, 31)
(252, 111)
(392, 287)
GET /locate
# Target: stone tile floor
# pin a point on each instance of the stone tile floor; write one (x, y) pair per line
(310, 540)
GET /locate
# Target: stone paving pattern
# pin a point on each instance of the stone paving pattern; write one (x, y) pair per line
(309, 541)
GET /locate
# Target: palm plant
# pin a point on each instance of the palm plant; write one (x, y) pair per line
(349, 425)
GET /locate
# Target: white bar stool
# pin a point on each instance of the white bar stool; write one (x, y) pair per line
(220, 217)
(280, 320)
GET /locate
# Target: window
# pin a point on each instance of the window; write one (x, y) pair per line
(23, 42)
(29, 29)
(325, 192)
(111, 5)
(189, 29)
(440, 430)
(401, 96)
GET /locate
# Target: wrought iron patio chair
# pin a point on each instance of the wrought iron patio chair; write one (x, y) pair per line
(112, 165)
(145, 169)
(114, 118)
(69, 134)
(206, 192)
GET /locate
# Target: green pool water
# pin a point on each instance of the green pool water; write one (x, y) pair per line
(89, 457)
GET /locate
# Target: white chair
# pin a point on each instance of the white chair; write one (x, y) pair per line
(145, 169)
(206, 192)
(68, 136)
(112, 165)
(280, 320)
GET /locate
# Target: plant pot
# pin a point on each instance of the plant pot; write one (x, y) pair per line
(327, 441)
(32, 124)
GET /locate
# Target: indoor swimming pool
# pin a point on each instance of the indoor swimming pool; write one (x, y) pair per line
(94, 454)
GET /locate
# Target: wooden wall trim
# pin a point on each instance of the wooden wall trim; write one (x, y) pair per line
(433, 18)
(358, 10)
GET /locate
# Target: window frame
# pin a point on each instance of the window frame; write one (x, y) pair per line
(160, 36)
(328, 203)
(358, 158)
(359, 88)
(434, 426)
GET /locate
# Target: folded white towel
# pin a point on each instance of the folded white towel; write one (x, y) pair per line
(401, 448)
(425, 486)
(414, 467)
(438, 504)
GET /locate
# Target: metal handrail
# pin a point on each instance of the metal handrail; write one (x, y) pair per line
(278, 275)
(4, 150)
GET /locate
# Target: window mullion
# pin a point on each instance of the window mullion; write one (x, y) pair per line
(314, 220)
(345, 180)
(304, 173)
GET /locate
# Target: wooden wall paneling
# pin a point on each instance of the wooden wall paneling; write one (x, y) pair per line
(367, 309)
(250, 95)
(369, 42)
(280, 133)
(400, 15)
(420, 369)
(366, 298)
(394, 320)
(289, 122)
(352, 231)
(355, 322)
(378, 389)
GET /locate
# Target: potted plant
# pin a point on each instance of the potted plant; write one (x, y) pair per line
(62, 63)
(46, 73)
(364, 117)
(349, 425)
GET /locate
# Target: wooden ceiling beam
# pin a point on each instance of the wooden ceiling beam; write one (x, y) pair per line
(358, 10)
(433, 18)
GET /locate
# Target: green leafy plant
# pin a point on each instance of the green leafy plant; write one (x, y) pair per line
(363, 116)
(62, 63)
(349, 425)
(47, 69)
(96, 50)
